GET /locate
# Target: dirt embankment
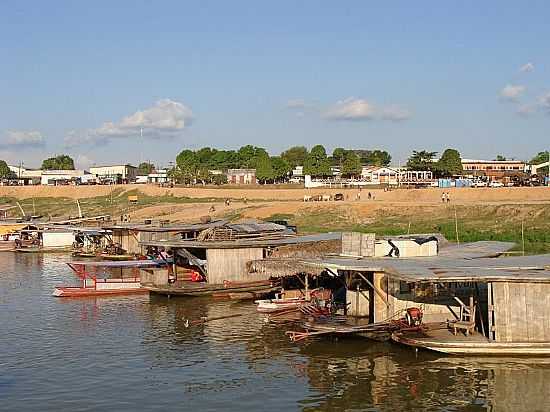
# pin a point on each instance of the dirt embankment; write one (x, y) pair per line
(431, 195)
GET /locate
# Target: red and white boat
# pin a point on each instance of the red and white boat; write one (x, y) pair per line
(107, 278)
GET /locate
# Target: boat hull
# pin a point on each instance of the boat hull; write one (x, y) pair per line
(278, 305)
(7, 245)
(478, 347)
(209, 289)
(75, 291)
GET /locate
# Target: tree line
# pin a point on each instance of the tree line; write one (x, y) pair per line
(197, 165)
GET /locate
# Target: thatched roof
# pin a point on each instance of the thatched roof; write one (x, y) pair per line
(283, 267)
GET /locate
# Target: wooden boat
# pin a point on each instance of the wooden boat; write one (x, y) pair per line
(84, 254)
(106, 256)
(279, 304)
(439, 338)
(39, 249)
(204, 289)
(97, 281)
(282, 303)
(7, 245)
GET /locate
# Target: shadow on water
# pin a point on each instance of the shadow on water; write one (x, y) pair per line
(136, 353)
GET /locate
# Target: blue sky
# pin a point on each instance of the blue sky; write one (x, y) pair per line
(85, 78)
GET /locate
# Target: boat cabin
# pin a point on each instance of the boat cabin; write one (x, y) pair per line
(226, 261)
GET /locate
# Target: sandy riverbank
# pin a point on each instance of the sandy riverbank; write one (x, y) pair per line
(273, 193)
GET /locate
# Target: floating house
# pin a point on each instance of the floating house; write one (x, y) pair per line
(43, 239)
(222, 254)
(130, 236)
(472, 299)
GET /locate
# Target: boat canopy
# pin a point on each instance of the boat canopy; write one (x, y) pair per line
(120, 264)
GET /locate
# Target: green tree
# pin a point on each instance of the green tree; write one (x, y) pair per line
(225, 159)
(187, 165)
(295, 156)
(249, 156)
(500, 158)
(351, 166)
(541, 157)
(219, 179)
(450, 164)
(5, 171)
(203, 175)
(422, 160)
(60, 162)
(145, 168)
(264, 169)
(338, 156)
(316, 163)
(205, 156)
(374, 157)
(281, 168)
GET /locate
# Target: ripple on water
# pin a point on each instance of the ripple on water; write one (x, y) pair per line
(135, 353)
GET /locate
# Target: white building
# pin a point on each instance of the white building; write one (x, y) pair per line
(298, 171)
(377, 175)
(115, 173)
(158, 176)
(56, 177)
(27, 176)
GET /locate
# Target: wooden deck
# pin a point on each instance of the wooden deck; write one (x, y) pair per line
(441, 339)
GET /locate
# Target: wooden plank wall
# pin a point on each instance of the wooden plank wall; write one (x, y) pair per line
(230, 264)
(522, 312)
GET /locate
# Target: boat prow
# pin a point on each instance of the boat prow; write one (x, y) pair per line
(74, 292)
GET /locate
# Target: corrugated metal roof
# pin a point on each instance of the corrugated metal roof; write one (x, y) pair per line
(253, 227)
(464, 263)
(249, 243)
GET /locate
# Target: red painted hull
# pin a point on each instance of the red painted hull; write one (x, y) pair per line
(73, 292)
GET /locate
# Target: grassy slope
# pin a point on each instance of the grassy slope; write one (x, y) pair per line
(114, 204)
(503, 222)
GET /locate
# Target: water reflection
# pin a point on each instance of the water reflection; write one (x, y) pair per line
(136, 353)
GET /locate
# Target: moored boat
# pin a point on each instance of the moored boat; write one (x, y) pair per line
(283, 302)
(190, 289)
(98, 279)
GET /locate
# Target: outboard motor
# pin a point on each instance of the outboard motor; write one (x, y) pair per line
(413, 317)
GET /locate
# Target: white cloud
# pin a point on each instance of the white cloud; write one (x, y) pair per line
(544, 103)
(511, 92)
(395, 113)
(83, 162)
(526, 109)
(353, 109)
(526, 68)
(165, 119)
(296, 104)
(24, 138)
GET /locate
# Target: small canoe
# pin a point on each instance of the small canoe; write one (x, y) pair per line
(278, 305)
(205, 289)
(84, 254)
(105, 256)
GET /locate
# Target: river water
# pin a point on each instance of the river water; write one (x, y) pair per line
(134, 353)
